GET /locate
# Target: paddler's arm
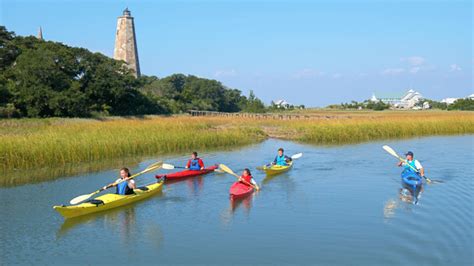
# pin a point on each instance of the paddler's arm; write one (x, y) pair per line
(188, 164)
(131, 184)
(420, 168)
(201, 164)
(109, 186)
(274, 161)
(422, 171)
(255, 184)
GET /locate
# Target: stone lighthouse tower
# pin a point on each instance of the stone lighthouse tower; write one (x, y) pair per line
(126, 43)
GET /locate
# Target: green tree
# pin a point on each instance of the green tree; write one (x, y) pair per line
(253, 104)
(462, 104)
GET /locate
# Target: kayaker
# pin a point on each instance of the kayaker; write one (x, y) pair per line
(247, 179)
(126, 186)
(281, 158)
(195, 163)
(410, 161)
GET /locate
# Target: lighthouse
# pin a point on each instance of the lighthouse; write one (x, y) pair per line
(126, 42)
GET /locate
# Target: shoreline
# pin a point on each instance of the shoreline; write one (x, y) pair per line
(32, 144)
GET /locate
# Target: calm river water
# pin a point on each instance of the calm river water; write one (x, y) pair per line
(339, 205)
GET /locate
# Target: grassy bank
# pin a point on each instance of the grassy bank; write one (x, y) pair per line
(47, 143)
(29, 144)
(356, 127)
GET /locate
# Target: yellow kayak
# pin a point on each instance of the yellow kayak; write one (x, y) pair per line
(276, 169)
(108, 201)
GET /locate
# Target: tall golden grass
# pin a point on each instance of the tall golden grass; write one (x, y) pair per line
(47, 143)
(392, 126)
(54, 142)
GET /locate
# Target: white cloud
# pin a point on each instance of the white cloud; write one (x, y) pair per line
(308, 73)
(393, 71)
(225, 73)
(454, 68)
(414, 60)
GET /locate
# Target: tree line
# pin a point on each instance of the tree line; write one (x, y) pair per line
(49, 79)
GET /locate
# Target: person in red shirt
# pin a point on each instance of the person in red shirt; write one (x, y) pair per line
(195, 163)
(247, 178)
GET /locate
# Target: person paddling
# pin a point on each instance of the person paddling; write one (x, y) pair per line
(126, 185)
(281, 158)
(412, 164)
(195, 163)
(247, 179)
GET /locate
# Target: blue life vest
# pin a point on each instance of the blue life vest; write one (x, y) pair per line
(194, 165)
(411, 163)
(281, 160)
(124, 189)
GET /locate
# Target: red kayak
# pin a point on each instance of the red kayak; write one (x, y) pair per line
(240, 190)
(187, 173)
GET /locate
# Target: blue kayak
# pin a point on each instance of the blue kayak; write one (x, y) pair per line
(411, 179)
(412, 184)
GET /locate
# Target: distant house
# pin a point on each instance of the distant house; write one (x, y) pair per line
(449, 101)
(405, 101)
(281, 104)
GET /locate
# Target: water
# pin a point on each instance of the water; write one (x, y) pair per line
(339, 205)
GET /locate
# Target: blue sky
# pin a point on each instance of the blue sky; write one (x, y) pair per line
(307, 52)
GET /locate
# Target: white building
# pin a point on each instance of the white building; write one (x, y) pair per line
(281, 104)
(449, 101)
(406, 101)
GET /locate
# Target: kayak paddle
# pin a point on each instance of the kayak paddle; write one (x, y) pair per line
(394, 154)
(226, 169)
(296, 156)
(293, 157)
(82, 198)
(168, 166)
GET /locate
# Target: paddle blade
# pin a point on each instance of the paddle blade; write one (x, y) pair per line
(390, 150)
(226, 169)
(168, 166)
(219, 171)
(80, 198)
(296, 156)
(154, 166)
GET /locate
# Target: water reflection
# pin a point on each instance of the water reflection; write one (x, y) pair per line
(245, 204)
(407, 196)
(195, 184)
(38, 175)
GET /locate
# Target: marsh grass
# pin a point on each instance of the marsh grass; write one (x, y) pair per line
(29, 144)
(391, 126)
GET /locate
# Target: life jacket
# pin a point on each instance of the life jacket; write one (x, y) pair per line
(124, 189)
(248, 179)
(410, 163)
(281, 160)
(194, 164)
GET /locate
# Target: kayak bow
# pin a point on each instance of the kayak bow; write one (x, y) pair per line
(240, 190)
